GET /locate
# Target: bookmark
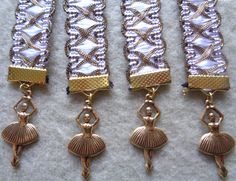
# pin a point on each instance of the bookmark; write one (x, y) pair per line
(87, 71)
(206, 69)
(29, 57)
(148, 69)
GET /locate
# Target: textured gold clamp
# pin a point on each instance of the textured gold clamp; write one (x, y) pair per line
(88, 83)
(138, 81)
(212, 82)
(27, 74)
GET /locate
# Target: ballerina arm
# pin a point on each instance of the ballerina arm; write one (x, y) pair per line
(78, 119)
(16, 105)
(212, 107)
(34, 109)
(221, 115)
(140, 114)
(203, 117)
(96, 118)
(157, 112)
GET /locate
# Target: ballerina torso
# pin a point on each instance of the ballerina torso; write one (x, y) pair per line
(23, 118)
(87, 128)
(214, 127)
(149, 122)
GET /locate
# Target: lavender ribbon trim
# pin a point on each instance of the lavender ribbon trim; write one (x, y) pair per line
(202, 39)
(31, 33)
(87, 44)
(142, 27)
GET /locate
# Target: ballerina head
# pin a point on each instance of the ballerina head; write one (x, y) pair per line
(149, 111)
(23, 107)
(212, 117)
(87, 118)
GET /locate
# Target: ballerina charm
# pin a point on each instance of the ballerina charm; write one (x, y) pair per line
(21, 133)
(148, 137)
(86, 145)
(215, 143)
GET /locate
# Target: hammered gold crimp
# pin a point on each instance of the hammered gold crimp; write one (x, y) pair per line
(88, 83)
(139, 81)
(27, 74)
(212, 82)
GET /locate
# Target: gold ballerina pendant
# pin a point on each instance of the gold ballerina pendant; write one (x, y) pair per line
(86, 145)
(21, 133)
(148, 137)
(215, 143)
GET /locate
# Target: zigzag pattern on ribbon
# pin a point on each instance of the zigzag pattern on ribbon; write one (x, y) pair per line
(31, 33)
(87, 44)
(142, 27)
(203, 41)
